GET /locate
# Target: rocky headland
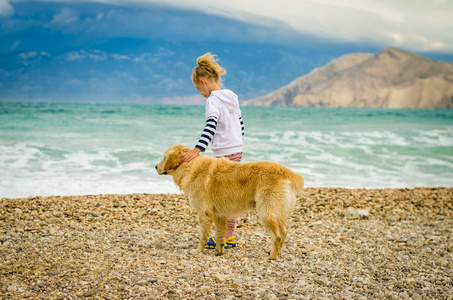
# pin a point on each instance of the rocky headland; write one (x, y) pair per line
(390, 79)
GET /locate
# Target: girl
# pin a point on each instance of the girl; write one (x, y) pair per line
(224, 127)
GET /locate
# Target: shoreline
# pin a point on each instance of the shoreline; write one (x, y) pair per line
(342, 243)
(181, 193)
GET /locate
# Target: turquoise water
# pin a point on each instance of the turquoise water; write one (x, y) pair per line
(76, 149)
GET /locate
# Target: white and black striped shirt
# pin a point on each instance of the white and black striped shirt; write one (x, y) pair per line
(209, 131)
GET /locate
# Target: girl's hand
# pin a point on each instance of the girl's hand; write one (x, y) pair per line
(188, 155)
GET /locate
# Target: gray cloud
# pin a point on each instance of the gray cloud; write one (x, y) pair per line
(418, 25)
(94, 55)
(65, 17)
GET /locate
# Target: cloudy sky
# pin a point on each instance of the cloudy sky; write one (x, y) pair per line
(143, 51)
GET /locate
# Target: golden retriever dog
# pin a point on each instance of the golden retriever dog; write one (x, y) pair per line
(219, 189)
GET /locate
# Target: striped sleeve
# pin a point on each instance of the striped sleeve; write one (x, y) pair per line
(242, 125)
(208, 133)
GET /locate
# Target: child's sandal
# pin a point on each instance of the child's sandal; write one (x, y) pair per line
(210, 244)
(229, 243)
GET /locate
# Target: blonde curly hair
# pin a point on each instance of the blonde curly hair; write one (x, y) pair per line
(208, 68)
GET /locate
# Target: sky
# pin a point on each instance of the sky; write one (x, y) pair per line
(143, 51)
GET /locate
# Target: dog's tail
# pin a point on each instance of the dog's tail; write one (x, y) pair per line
(297, 184)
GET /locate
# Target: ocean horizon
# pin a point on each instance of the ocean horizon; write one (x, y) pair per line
(80, 149)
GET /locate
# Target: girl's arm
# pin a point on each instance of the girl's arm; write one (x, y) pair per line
(206, 137)
(208, 133)
(242, 125)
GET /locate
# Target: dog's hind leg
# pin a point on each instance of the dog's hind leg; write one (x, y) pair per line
(220, 229)
(282, 227)
(278, 237)
(271, 209)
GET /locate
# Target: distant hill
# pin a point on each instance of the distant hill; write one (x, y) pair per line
(390, 79)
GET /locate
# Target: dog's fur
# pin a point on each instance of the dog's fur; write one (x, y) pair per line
(219, 189)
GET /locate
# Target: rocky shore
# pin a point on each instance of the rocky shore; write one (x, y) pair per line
(341, 244)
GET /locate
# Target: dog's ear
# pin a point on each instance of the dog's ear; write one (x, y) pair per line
(172, 161)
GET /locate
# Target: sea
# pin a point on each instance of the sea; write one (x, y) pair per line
(84, 149)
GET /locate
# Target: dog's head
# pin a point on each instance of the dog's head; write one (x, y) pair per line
(171, 160)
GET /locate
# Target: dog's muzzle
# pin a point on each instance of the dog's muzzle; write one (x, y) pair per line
(164, 173)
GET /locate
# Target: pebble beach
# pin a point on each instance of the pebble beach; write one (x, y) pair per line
(341, 244)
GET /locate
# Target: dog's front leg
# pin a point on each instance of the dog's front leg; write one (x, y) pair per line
(220, 229)
(205, 227)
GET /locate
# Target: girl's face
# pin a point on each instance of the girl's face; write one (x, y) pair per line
(203, 88)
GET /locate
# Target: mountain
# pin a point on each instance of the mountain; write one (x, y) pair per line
(390, 79)
(130, 70)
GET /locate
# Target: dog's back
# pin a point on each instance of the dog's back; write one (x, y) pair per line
(262, 171)
(237, 187)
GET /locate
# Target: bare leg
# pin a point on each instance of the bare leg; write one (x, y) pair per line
(231, 225)
(235, 157)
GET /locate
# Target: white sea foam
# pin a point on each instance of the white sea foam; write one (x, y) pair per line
(30, 172)
(357, 159)
(116, 152)
(434, 138)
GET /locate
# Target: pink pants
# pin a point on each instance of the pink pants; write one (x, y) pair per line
(231, 224)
